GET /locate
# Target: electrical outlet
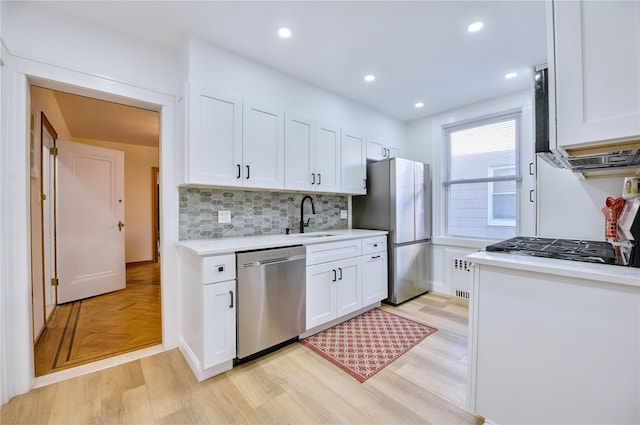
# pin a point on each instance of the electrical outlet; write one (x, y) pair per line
(344, 213)
(224, 216)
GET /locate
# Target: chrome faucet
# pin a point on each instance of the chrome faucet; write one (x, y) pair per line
(313, 210)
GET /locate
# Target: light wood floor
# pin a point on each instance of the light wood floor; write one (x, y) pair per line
(104, 326)
(293, 385)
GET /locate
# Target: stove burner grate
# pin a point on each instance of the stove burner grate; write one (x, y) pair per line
(563, 249)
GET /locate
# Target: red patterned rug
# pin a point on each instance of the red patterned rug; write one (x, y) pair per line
(364, 345)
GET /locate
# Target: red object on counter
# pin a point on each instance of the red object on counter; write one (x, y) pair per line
(611, 212)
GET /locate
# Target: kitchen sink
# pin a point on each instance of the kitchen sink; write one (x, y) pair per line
(313, 235)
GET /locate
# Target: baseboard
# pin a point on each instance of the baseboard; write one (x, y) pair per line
(194, 364)
(140, 263)
(338, 320)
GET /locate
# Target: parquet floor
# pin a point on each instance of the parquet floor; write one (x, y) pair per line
(104, 326)
(292, 385)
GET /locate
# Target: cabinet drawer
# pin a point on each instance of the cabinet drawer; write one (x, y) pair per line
(374, 244)
(218, 268)
(332, 251)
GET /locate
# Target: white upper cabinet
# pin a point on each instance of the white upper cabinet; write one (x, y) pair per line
(299, 144)
(262, 147)
(353, 163)
(378, 150)
(594, 57)
(327, 158)
(312, 155)
(214, 138)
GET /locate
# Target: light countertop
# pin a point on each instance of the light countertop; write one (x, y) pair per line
(231, 245)
(589, 271)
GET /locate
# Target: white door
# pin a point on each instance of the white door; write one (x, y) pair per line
(90, 221)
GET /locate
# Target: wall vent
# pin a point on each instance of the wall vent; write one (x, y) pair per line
(462, 294)
(461, 278)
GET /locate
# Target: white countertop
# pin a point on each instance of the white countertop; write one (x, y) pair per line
(231, 245)
(590, 271)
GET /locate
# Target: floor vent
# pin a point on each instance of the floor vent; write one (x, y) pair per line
(461, 278)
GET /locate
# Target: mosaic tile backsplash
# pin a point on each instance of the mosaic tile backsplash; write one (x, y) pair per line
(254, 213)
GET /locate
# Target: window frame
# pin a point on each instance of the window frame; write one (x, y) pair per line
(447, 182)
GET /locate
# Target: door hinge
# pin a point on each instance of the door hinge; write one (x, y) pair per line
(54, 281)
(53, 151)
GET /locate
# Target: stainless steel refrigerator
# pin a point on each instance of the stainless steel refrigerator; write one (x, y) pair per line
(398, 200)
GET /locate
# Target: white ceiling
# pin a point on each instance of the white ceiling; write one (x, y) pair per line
(89, 118)
(418, 50)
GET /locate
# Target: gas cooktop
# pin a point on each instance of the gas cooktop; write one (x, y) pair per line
(563, 249)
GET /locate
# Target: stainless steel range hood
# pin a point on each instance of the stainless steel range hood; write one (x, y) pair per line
(606, 158)
(609, 160)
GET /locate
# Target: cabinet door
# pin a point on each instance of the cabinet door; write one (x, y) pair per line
(392, 152)
(219, 316)
(299, 135)
(353, 163)
(327, 158)
(597, 70)
(348, 286)
(263, 147)
(374, 278)
(213, 151)
(321, 294)
(375, 150)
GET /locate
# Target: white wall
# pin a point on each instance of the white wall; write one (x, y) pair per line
(222, 71)
(32, 30)
(569, 207)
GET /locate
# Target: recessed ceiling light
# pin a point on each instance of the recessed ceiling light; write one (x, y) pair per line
(284, 32)
(369, 78)
(476, 26)
(510, 75)
(419, 104)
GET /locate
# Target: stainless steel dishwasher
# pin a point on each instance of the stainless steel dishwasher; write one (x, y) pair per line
(271, 299)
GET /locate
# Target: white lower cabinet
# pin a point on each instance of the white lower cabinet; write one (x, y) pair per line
(208, 313)
(219, 323)
(338, 288)
(374, 278)
(333, 290)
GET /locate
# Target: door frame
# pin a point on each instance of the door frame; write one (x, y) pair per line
(155, 212)
(17, 371)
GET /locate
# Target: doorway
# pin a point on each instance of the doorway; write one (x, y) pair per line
(126, 320)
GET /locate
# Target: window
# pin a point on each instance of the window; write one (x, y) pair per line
(481, 171)
(502, 197)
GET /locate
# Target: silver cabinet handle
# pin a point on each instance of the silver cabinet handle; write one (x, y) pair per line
(231, 295)
(313, 178)
(340, 278)
(375, 256)
(239, 167)
(531, 196)
(335, 275)
(248, 172)
(531, 168)
(319, 179)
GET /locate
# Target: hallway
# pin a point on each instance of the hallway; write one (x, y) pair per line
(96, 328)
